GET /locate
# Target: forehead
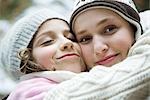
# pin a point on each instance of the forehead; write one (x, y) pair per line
(51, 27)
(94, 15)
(53, 23)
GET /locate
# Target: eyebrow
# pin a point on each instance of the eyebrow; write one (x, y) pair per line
(36, 39)
(44, 33)
(66, 31)
(104, 20)
(81, 32)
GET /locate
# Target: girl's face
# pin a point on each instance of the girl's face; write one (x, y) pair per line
(53, 48)
(105, 38)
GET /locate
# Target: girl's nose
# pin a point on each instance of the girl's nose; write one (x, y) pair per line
(100, 47)
(67, 46)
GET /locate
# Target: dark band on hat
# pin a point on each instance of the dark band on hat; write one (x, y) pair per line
(119, 6)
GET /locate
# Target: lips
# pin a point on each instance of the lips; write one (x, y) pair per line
(106, 59)
(68, 55)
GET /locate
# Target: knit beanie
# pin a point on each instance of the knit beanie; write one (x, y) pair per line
(19, 37)
(125, 8)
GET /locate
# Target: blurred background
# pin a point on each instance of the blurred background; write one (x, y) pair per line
(11, 10)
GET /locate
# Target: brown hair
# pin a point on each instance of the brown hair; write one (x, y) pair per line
(28, 65)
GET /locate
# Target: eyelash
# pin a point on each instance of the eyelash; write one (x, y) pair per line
(108, 30)
(72, 39)
(85, 39)
(46, 43)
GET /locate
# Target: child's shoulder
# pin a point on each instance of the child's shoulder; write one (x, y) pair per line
(57, 76)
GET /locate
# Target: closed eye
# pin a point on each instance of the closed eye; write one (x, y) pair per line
(72, 39)
(46, 43)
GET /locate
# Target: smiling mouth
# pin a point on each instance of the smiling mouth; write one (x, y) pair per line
(107, 60)
(68, 55)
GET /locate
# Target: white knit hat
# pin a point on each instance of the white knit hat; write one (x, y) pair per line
(125, 8)
(19, 37)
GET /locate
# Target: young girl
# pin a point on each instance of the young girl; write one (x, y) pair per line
(106, 31)
(40, 43)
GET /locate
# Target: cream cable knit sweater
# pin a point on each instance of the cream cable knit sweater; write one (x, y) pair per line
(145, 15)
(128, 80)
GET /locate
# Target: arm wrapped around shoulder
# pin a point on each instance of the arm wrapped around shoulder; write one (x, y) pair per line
(128, 80)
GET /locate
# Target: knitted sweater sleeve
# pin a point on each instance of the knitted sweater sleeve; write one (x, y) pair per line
(128, 80)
